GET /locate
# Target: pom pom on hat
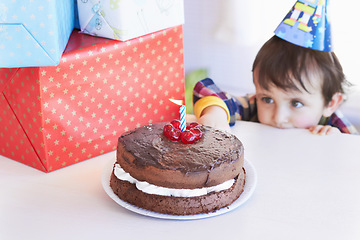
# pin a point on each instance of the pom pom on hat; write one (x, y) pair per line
(307, 25)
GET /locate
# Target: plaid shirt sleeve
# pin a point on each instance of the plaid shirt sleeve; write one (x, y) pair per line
(240, 108)
(338, 120)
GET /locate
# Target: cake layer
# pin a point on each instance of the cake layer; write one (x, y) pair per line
(147, 155)
(176, 192)
(178, 205)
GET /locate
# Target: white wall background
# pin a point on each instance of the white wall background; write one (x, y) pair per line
(223, 36)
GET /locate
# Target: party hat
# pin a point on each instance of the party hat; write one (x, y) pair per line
(307, 25)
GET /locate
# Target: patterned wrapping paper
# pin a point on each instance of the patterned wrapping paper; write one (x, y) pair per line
(52, 117)
(34, 33)
(127, 19)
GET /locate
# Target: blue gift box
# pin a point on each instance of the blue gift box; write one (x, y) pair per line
(76, 24)
(34, 33)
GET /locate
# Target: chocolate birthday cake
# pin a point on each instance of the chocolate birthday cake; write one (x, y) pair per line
(200, 171)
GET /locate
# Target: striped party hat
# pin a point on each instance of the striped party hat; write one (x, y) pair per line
(307, 25)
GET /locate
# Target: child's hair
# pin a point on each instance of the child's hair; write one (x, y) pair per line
(286, 65)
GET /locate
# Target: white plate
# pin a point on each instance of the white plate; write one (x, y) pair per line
(250, 183)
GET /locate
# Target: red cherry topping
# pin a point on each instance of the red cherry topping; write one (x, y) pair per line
(167, 129)
(172, 133)
(176, 124)
(188, 137)
(194, 125)
(197, 132)
(175, 135)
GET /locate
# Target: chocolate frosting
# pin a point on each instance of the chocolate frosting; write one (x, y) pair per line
(151, 147)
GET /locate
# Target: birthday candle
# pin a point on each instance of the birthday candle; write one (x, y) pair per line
(182, 117)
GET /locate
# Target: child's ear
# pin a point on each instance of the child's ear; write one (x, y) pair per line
(333, 104)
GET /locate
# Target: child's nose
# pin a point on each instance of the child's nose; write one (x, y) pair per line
(281, 116)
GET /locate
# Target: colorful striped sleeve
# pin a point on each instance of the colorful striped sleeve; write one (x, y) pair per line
(338, 120)
(238, 108)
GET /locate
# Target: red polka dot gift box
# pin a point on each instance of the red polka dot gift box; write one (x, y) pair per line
(52, 117)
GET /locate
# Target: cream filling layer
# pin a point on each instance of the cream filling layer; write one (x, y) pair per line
(163, 191)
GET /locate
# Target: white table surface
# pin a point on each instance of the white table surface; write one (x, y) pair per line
(308, 187)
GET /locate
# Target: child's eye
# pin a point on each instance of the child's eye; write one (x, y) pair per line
(296, 104)
(267, 99)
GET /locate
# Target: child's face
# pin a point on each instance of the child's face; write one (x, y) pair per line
(290, 109)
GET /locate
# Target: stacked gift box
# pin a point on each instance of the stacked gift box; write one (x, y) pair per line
(67, 94)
